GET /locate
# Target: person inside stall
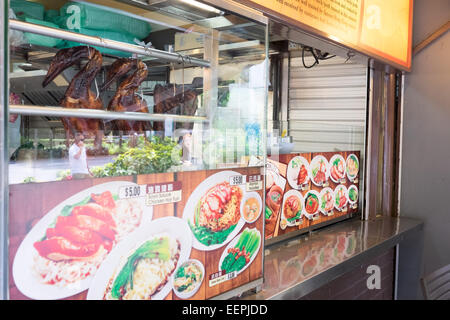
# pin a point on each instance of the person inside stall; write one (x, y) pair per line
(79, 168)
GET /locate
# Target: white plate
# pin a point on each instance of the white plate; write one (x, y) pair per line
(357, 194)
(292, 172)
(22, 270)
(200, 191)
(296, 193)
(187, 295)
(314, 162)
(311, 215)
(341, 158)
(321, 194)
(232, 244)
(285, 270)
(174, 227)
(345, 194)
(351, 178)
(249, 195)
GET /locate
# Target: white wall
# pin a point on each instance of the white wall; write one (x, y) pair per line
(425, 185)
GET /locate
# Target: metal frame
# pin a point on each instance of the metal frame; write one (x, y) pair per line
(239, 9)
(391, 238)
(4, 190)
(32, 110)
(106, 43)
(6, 24)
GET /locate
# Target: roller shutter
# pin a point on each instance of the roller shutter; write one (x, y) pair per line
(327, 105)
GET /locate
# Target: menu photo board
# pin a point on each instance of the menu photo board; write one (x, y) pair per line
(188, 235)
(319, 187)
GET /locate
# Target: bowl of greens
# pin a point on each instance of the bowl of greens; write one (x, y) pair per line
(188, 278)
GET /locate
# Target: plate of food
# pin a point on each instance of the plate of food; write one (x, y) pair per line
(337, 168)
(251, 206)
(352, 167)
(352, 194)
(311, 206)
(340, 197)
(298, 172)
(292, 208)
(142, 267)
(241, 251)
(320, 171)
(289, 271)
(326, 202)
(309, 265)
(63, 251)
(213, 211)
(188, 278)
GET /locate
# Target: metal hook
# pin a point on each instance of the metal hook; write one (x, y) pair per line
(350, 55)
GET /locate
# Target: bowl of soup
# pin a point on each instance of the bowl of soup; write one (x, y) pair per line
(251, 207)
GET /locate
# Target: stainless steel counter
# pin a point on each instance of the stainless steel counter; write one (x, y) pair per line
(297, 267)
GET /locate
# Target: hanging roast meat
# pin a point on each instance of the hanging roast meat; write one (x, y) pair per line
(78, 94)
(172, 99)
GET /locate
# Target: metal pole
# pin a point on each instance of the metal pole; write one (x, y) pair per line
(106, 43)
(48, 111)
(4, 193)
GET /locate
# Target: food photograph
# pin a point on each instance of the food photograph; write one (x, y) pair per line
(195, 236)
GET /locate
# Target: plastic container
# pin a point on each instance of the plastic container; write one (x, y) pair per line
(106, 35)
(37, 39)
(81, 15)
(29, 9)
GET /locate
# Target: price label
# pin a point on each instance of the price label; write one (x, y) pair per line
(304, 187)
(215, 279)
(237, 180)
(132, 191)
(154, 199)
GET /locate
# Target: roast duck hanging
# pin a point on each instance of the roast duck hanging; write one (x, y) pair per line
(79, 94)
(174, 99)
(125, 98)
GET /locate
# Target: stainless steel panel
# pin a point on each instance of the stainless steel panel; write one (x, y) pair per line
(371, 238)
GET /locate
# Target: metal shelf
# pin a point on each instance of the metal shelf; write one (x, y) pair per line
(106, 43)
(100, 114)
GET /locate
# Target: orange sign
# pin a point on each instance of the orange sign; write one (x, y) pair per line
(379, 28)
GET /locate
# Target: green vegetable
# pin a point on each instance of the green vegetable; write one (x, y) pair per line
(154, 156)
(297, 215)
(156, 248)
(336, 162)
(268, 213)
(352, 194)
(324, 203)
(208, 237)
(245, 248)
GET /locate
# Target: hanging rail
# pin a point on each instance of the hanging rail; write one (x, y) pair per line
(99, 114)
(106, 43)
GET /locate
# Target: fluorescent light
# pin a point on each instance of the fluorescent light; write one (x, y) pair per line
(201, 6)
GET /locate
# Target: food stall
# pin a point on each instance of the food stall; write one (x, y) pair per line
(130, 126)
(334, 134)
